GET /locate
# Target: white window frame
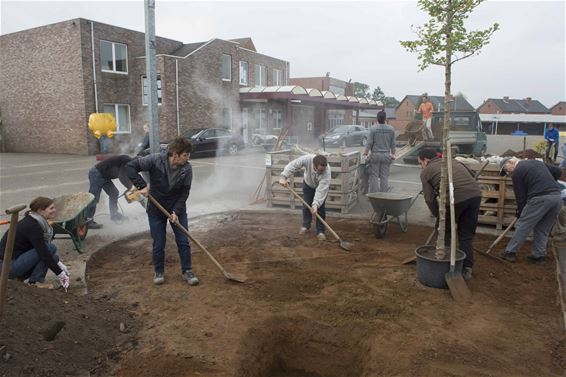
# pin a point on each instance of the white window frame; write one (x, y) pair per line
(159, 90)
(229, 68)
(244, 78)
(277, 121)
(277, 77)
(260, 68)
(129, 131)
(114, 58)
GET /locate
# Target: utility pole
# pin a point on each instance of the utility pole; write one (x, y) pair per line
(151, 74)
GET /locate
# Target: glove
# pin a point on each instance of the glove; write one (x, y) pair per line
(63, 280)
(64, 268)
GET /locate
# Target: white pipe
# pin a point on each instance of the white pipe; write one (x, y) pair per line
(177, 94)
(93, 67)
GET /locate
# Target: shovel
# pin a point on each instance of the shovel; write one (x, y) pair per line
(413, 259)
(234, 277)
(343, 244)
(456, 283)
(14, 212)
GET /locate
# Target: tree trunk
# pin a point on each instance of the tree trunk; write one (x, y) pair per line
(440, 247)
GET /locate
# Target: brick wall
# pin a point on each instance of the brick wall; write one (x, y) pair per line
(115, 88)
(559, 109)
(489, 107)
(403, 114)
(41, 95)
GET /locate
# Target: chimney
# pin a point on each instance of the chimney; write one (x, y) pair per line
(506, 99)
(528, 100)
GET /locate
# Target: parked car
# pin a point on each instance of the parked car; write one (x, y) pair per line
(214, 141)
(345, 135)
(210, 141)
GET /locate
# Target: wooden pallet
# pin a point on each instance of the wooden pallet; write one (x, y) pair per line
(498, 205)
(344, 184)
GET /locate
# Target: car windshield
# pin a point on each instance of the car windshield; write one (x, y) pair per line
(193, 132)
(339, 130)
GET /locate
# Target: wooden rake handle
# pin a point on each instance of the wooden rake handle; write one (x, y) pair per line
(165, 212)
(317, 215)
(502, 235)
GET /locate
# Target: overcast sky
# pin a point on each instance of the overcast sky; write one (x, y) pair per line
(351, 40)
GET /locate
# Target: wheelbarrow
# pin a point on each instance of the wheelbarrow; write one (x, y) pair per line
(389, 205)
(71, 217)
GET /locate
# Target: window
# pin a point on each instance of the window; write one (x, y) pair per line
(243, 73)
(226, 118)
(113, 57)
(260, 118)
(121, 114)
(145, 90)
(276, 120)
(260, 75)
(277, 77)
(208, 134)
(226, 67)
(223, 133)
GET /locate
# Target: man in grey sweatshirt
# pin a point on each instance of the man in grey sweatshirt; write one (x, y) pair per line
(316, 183)
(381, 145)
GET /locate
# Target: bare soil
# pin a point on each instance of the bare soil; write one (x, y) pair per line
(311, 309)
(48, 333)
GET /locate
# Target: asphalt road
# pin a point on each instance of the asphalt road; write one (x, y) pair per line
(219, 184)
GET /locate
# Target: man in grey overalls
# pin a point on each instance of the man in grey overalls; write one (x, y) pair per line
(381, 144)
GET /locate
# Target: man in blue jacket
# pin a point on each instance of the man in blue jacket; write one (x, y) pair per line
(538, 205)
(170, 178)
(551, 136)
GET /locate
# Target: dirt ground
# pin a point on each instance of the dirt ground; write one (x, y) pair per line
(310, 309)
(48, 333)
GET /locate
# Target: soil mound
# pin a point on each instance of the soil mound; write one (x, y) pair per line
(52, 333)
(529, 154)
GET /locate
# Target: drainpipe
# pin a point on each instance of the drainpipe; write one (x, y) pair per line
(177, 94)
(93, 67)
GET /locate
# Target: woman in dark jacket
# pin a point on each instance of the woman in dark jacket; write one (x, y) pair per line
(34, 252)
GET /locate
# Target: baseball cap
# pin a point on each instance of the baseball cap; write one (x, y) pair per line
(502, 170)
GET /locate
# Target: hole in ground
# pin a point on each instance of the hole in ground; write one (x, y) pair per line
(301, 347)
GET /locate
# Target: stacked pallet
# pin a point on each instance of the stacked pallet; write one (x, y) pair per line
(498, 205)
(343, 193)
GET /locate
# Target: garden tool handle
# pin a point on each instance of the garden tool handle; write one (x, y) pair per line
(165, 212)
(502, 235)
(14, 212)
(317, 215)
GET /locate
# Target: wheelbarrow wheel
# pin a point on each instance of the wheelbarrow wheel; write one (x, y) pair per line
(82, 231)
(380, 223)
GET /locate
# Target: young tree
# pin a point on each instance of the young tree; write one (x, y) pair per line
(361, 90)
(443, 41)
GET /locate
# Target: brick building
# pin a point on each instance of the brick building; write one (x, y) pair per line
(53, 77)
(559, 108)
(336, 86)
(405, 111)
(507, 105)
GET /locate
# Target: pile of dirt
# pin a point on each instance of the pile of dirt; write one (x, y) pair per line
(311, 309)
(508, 153)
(52, 333)
(529, 154)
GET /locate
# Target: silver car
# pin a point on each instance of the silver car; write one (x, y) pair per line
(345, 135)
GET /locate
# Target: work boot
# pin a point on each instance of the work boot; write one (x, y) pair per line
(94, 225)
(508, 256)
(467, 273)
(535, 260)
(321, 237)
(158, 278)
(190, 277)
(303, 230)
(118, 217)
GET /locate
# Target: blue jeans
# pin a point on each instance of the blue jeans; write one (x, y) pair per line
(158, 230)
(97, 183)
(308, 195)
(29, 265)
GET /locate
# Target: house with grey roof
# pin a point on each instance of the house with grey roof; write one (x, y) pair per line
(405, 111)
(507, 105)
